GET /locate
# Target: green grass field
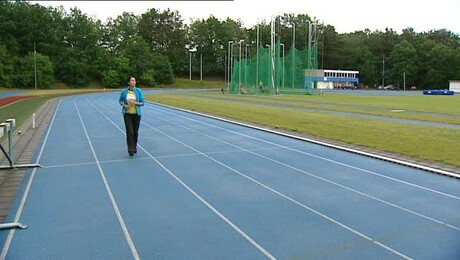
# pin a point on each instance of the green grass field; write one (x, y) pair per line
(408, 107)
(195, 84)
(422, 142)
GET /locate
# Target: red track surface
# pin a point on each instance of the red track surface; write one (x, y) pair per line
(12, 99)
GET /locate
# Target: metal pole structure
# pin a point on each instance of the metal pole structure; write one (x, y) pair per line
(201, 66)
(322, 49)
(246, 55)
(257, 61)
(404, 77)
(35, 66)
(229, 62)
(309, 64)
(309, 45)
(383, 72)
(282, 45)
(246, 66)
(272, 55)
(293, 54)
(191, 52)
(239, 69)
(190, 73)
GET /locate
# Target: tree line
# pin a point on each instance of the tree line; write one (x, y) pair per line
(55, 46)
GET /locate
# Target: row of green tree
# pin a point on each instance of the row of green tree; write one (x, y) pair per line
(48, 45)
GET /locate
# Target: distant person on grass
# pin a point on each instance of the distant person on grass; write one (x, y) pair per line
(131, 99)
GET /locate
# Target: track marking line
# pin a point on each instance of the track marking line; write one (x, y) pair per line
(207, 204)
(289, 198)
(9, 238)
(315, 176)
(109, 191)
(320, 157)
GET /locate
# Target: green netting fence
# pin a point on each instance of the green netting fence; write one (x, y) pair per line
(259, 75)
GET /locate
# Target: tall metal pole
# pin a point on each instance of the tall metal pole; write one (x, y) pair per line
(229, 62)
(293, 53)
(190, 65)
(35, 67)
(232, 62)
(272, 56)
(201, 66)
(383, 72)
(404, 77)
(309, 54)
(322, 49)
(246, 66)
(239, 69)
(282, 45)
(257, 62)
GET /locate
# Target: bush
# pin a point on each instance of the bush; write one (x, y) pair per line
(111, 79)
(24, 71)
(148, 78)
(163, 70)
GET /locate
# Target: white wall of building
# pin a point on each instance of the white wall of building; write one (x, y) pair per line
(454, 85)
(325, 85)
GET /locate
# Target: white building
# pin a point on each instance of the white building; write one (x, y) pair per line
(454, 85)
(331, 79)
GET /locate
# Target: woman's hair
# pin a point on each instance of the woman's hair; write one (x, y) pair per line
(129, 78)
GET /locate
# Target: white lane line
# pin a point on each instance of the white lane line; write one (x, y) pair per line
(207, 204)
(315, 176)
(91, 163)
(318, 157)
(321, 143)
(6, 246)
(143, 158)
(288, 198)
(109, 191)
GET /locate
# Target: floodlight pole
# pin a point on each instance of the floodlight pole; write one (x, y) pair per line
(246, 66)
(229, 62)
(272, 55)
(190, 67)
(322, 49)
(239, 68)
(383, 72)
(404, 78)
(35, 67)
(293, 53)
(191, 51)
(232, 61)
(309, 54)
(269, 47)
(257, 62)
(282, 45)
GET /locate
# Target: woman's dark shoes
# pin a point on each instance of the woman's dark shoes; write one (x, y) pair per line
(130, 153)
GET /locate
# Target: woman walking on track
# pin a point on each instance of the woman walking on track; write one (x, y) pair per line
(131, 99)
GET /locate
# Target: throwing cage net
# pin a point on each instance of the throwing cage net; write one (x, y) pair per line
(271, 72)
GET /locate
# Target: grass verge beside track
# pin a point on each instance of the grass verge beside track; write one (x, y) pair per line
(426, 143)
(442, 109)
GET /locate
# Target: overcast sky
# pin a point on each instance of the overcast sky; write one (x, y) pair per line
(344, 15)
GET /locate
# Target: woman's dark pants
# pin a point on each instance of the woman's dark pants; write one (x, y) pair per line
(132, 122)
